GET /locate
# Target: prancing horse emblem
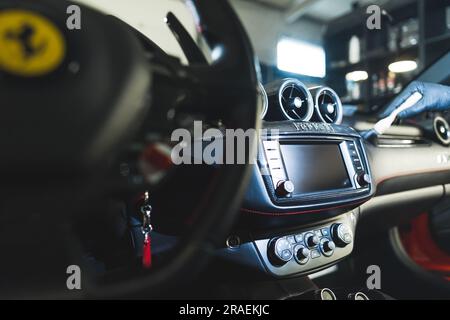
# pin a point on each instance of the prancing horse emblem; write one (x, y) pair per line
(25, 37)
(31, 44)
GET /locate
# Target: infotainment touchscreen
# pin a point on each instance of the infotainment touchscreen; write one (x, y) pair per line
(315, 167)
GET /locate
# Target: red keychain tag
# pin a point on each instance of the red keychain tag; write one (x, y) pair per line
(146, 210)
(147, 252)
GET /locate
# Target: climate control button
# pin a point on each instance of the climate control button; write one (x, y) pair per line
(311, 240)
(327, 247)
(280, 250)
(341, 234)
(301, 254)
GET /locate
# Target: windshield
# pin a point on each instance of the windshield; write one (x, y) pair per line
(367, 51)
(147, 16)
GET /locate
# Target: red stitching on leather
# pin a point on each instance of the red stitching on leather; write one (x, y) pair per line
(298, 212)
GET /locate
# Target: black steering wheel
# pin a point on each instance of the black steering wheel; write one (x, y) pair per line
(76, 104)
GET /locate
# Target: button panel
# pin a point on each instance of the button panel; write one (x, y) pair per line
(274, 162)
(296, 252)
(286, 246)
(356, 162)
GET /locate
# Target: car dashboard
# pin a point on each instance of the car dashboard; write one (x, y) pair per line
(318, 186)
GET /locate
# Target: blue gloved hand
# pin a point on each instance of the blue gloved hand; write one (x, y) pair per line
(435, 97)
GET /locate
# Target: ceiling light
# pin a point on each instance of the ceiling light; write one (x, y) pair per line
(357, 76)
(403, 66)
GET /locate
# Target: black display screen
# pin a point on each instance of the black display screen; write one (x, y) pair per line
(315, 167)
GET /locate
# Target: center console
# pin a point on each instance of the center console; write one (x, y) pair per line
(301, 208)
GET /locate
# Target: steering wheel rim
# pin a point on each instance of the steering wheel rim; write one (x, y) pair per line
(232, 81)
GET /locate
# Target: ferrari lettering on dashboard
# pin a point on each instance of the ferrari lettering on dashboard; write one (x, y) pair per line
(313, 127)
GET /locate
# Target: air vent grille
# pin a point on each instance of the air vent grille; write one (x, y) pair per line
(328, 106)
(296, 101)
(442, 130)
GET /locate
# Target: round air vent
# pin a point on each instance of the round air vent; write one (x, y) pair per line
(327, 104)
(295, 100)
(263, 100)
(442, 130)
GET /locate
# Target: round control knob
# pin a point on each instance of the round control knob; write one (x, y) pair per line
(363, 179)
(280, 251)
(341, 234)
(327, 246)
(358, 296)
(326, 294)
(301, 254)
(311, 240)
(284, 188)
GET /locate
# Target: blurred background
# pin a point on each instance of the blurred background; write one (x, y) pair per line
(320, 41)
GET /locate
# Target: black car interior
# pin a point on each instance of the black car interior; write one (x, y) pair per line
(87, 177)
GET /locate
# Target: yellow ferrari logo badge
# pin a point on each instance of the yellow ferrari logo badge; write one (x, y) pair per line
(30, 44)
